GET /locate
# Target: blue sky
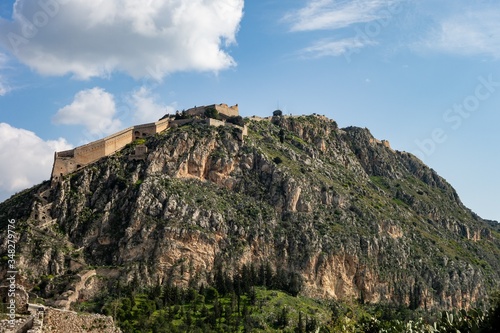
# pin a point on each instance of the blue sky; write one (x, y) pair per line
(422, 74)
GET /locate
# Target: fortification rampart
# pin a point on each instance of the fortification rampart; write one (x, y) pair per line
(68, 161)
(71, 160)
(224, 110)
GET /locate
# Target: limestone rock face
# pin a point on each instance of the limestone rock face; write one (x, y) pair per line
(349, 215)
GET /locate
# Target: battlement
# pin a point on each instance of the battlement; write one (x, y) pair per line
(224, 110)
(66, 162)
(384, 143)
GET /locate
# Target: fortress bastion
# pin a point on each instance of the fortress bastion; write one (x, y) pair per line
(66, 162)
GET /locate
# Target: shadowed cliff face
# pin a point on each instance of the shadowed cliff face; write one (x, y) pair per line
(351, 216)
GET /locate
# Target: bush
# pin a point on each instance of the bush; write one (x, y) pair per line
(182, 115)
(277, 160)
(238, 120)
(211, 294)
(212, 113)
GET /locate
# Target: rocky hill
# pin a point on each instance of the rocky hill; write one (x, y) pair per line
(340, 211)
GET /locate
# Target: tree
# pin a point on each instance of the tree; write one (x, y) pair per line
(182, 115)
(282, 320)
(111, 309)
(261, 281)
(492, 321)
(210, 294)
(221, 280)
(296, 283)
(212, 113)
(269, 275)
(217, 310)
(277, 160)
(238, 120)
(252, 296)
(300, 324)
(189, 319)
(311, 324)
(282, 135)
(280, 280)
(204, 311)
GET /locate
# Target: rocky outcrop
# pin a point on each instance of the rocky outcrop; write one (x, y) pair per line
(64, 301)
(64, 321)
(349, 215)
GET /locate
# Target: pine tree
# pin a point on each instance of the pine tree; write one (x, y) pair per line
(311, 324)
(188, 320)
(252, 296)
(300, 324)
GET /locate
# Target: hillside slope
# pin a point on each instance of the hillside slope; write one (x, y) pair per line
(348, 215)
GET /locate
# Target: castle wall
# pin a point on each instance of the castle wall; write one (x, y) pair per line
(162, 125)
(90, 152)
(215, 122)
(223, 109)
(118, 141)
(69, 161)
(180, 122)
(142, 131)
(62, 166)
(66, 153)
(197, 111)
(228, 111)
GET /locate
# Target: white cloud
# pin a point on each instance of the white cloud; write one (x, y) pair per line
(27, 159)
(4, 86)
(93, 108)
(89, 38)
(3, 60)
(327, 47)
(469, 33)
(331, 14)
(146, 106)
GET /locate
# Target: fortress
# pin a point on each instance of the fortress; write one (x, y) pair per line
(66, 162)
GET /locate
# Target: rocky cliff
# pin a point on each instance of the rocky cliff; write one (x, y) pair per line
(349, 215)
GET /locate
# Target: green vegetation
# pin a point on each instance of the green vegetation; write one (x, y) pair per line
(182, 115)
(255, 299)
(139, 141)
(237, 120)
(277, 160)
(242, 306)
(380, 182)
(309, 198)
(212, 113)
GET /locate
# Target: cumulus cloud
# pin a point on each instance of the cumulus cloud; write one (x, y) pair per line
(146, 106)
(333, 14)
(89, 38)
(468, 33)
(93, 108)
(27, 159)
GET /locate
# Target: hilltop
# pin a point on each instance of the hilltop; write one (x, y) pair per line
(338, 213)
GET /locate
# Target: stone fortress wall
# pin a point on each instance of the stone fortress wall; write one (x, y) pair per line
(68, 161)
(223, 109)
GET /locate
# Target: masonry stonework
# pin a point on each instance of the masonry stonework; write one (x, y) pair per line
(66, 162)
(224, 110)
(69, 161)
